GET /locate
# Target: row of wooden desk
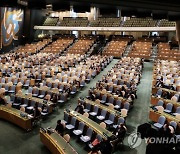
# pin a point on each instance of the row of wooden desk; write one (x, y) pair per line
(154, 116)
(155, 89)
(116, 97)
(14, 116)
(56, 143)
(90, 123)
(37, 100)
(154, 101)
(103, 107)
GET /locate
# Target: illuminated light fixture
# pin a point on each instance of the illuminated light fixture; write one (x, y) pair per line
(23, 2)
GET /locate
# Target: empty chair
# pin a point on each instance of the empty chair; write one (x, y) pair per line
(103, 100)
(110, 120)
(102, 116)
(169, 107)
(3, 80)
(42, 94)
(27, 83)
(160, 103)
(61, 88)
(31, 107)
(120, 121)
(82, 84)
(39, 78)
(161, 122)
(110, 89)
(62, 99)
(86, 138)
(74, 90)
(126, 106)
(12, 98)
(80, 129)
(72, 124)
(110, 101)
(17, 102)
(35, 92)
(30, 89)
(12, 89)
(55, 85)
(177, 95)
(66, 118)
(6, 88)
(159, 93)
(15, 82)
(115, 82)
(95, 111)
(88, 79)
(173, 124)
(25, 103)
(87, 108)
(177, 111)
(49, 84)
(118, 104)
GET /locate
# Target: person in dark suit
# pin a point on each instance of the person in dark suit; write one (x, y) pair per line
(37, 113)
(79, 108)
(2, 100)
(60, 128)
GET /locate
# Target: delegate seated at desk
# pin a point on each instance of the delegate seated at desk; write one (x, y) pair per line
(60, 128)
(2, 100)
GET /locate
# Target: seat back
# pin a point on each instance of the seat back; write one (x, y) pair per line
(178, 110)
(174, 124)
(103, 113)
(73, 121)
(111, 117)
(161, 120)
(81, 126)
(120, 121)
(89, 132)
(169, 106)
(160, 103)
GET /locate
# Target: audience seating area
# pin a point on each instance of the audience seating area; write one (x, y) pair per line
(140, 22)
(141, 49)
(51, 21)
(166, 23)
(74, 22)
(165, 95)
(59, 46)
(105, 108)
(82, 45)
(116, 47)
(165, 53)
(106, 22)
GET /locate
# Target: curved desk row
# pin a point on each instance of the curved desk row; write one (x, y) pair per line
(13, 115)
(56, 143)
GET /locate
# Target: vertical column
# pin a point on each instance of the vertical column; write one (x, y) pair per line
(178, 32)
